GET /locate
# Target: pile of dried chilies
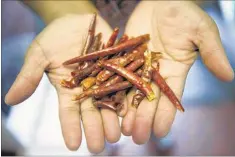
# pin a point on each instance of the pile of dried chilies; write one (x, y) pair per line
(106, 72)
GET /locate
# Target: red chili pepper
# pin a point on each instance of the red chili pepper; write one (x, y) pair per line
(130, 76)
(96, 43)
(90, 35)
(109, 44)
(88, 82)
(93, 47)
(95, 72)
(146, 76)
(100, 92)
(118, 98)
(68, 84)
(137, 98)
(105, 104)
(111, 50)
(83, 65)
(85, 72)
(87, 64)
(117, 78)
(123, 39)
(112, 38)
(158, 79)
(139, 72)
(122, 61)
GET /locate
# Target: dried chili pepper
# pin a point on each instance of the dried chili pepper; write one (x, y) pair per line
(82, 65)
(96, 43)
(100, 92)
(68, 84)
(83, 73)
(90, 35)
(139, 72)
(110, 43)
(88, 82)
(89, 66)
(94, 69)
(158, 79)
(137, 98)
(130, 76)
(105, 104)
(123, 39)
(95, 72)
(80, 75)
(146, 76)
(117, 78)
(108, 104)
(122, 61)
(112, 38)
(111, 50)
(118, 98)
(94, 47)
(155, 59)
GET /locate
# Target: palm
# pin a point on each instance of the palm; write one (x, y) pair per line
(64, 39)
(177, 29)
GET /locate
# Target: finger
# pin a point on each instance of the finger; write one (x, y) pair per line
(129, 118)
(144, 118)
(93, 127)
(212, 51)
(112, 129)
(69, 113)
(166, 111)
(29, 76)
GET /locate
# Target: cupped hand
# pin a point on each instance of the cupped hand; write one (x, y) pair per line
(61, 40)
(177, 29)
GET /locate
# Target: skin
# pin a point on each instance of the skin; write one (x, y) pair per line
(62, 39)
(177, 29)
(185, 27)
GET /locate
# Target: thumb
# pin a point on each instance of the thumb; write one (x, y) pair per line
(29, 76)
(211, 50)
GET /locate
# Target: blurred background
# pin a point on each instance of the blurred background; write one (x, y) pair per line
(32, 128)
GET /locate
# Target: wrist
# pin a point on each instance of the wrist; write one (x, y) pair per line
(51, 10)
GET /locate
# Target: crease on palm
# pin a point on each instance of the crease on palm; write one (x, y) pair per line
(55, 71)
(186, 57)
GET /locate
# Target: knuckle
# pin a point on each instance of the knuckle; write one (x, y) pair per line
(68, 110)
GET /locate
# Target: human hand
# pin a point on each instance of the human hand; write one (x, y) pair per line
(177, 29)
(61, 40)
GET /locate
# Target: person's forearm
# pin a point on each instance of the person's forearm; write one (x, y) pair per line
(49, 10)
